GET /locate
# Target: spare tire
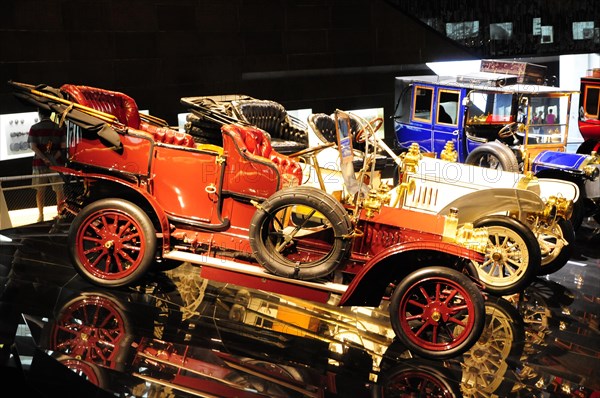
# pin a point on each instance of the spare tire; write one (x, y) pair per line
(301, 233)
(494, 155)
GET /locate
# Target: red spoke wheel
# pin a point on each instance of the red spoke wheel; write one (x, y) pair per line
(437, 312)
(414, 379)
(112, 242)
(92, 328)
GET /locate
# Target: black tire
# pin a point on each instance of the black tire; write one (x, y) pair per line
(494, 155)
(396, 176)
(112, 243)
(578, 213)
(508, 269)
(316, 254)
(552, 260)
(428, 322)
(587, 147)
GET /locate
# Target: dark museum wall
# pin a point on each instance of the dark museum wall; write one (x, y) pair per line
(319, 54)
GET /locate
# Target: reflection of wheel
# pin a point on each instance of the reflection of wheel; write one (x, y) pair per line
(437, 312)
(551, 293)
(418, 380)
(499, 347)
(300, 233)
(112, 242)
(493, 155)
(92, 373)
(91, 327)
(237, 313)
(555, 253)
(512, 258)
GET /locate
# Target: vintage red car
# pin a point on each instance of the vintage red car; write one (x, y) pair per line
(155, 198)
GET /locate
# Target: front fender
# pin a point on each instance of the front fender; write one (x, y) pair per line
(160, 214)
(474, 205)
(395, 263)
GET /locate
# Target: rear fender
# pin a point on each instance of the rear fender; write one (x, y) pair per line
(142, 195)
(369, 286)
(475, 205)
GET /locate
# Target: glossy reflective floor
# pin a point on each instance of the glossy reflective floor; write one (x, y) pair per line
(181, 336)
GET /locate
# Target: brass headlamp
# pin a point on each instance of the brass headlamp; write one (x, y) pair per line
(467, 236)
(557, 206)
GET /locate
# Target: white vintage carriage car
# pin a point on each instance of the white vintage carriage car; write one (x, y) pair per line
(527, 217)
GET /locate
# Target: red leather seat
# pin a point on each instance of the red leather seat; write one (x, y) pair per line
(125, 109)
(120, 105)
(257, 143)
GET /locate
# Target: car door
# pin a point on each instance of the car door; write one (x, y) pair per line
(186, 183)
(446, 118)
(414, 116)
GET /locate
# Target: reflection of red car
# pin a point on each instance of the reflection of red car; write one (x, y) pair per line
(94, 337)
(153, 197)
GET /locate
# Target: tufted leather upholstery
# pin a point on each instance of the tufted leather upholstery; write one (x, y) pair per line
(267, 115)
(257, 143)
(271, 117)
(125, 109)
(355, 127)
(120, 105)
(167, 135)
(324, 127)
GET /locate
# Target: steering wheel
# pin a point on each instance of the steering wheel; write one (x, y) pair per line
(374, 124)
(508, 130)
(310, 151)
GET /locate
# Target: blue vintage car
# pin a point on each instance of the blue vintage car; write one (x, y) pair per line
(501, 117)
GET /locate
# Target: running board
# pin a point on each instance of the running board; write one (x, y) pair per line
(254, 276)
